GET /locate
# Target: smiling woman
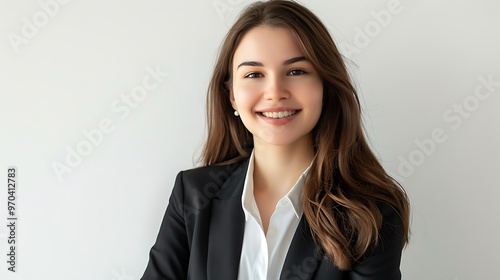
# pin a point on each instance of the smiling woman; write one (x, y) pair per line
(294, 189)
(272, 78)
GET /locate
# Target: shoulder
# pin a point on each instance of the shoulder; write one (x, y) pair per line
(213, 173)
(382, 260)
(209, 180)
(391, 231)
(389, 213)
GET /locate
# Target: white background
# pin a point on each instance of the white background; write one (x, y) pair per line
(70, 71)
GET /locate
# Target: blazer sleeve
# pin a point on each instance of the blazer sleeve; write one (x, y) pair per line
(382, 261)
(169, 256)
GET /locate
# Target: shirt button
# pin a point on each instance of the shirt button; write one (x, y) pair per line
(272, 232)
(284, 202)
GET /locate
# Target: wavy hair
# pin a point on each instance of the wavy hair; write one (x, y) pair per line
(346, 182)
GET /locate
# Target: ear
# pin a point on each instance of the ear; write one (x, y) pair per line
(231, 98)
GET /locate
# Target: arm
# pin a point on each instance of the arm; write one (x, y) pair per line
(383, 259)
(169, 256)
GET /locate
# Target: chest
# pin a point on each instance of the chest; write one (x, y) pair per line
(266, 205)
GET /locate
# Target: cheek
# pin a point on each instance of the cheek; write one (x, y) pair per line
(246, 96)
(312, 93)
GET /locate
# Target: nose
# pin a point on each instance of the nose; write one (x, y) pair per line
(276, 88)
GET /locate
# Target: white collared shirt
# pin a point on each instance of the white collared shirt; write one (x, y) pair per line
(262, 256)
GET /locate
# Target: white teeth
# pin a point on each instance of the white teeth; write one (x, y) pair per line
(278, 115)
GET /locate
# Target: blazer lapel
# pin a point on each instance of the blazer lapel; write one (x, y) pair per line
(227, 225)
(302, 259)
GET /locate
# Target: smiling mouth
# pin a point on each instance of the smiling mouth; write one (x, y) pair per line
(278, 115)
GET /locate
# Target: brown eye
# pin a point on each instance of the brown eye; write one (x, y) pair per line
(253, 75)
(296, 72)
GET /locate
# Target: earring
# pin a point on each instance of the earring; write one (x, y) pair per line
(236, 113)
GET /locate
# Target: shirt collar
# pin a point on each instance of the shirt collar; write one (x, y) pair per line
(247, 198)
(294, 195)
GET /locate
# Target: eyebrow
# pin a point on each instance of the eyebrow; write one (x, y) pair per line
(286, 62)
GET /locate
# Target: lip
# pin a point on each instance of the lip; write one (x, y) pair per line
(281, 121)
(278, 109)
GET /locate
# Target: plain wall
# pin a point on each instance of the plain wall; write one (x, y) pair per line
(428, 77)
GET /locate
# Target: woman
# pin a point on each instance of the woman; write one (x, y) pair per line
(289, 187)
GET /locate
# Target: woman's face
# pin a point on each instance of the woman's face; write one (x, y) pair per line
(275, 89)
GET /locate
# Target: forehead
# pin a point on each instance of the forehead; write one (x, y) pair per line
(267, 44)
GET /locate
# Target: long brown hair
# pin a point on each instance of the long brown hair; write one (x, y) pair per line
(346, 181)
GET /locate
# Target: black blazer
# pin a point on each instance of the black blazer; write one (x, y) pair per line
(202, 233)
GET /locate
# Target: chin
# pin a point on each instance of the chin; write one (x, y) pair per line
(281, 140)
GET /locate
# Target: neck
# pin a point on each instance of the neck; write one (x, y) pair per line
(277, 167)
